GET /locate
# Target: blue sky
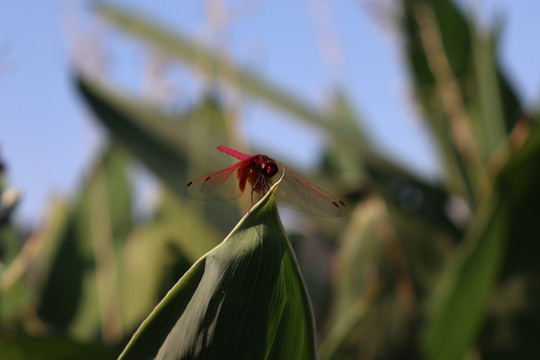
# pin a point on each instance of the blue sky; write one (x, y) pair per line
(48, 139)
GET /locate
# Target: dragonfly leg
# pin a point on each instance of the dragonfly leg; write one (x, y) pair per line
(265, 186)
(254, 187)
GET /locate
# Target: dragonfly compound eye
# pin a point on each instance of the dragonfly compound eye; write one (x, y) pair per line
(271, 169)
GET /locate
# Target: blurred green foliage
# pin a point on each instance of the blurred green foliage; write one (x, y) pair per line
(418, 270)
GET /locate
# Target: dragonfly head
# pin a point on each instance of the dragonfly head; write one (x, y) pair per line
(270, 169)
(265, 166)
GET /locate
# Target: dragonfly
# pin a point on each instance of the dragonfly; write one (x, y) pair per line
(258, 172)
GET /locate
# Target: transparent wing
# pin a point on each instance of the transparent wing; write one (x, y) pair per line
(220, 185)
(298, 193)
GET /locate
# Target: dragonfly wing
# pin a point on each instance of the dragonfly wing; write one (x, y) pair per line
(220, 185)
(298, 193)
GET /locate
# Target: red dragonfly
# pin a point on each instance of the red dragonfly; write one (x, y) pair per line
(259, 171)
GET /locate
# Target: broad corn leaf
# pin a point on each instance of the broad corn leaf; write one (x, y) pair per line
(245, 299)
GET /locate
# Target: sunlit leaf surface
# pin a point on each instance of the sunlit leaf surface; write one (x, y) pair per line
(245, 299)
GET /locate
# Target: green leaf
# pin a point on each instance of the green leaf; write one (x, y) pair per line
(503, 236)
(182, 223)
(490, 128)
(244, 299)
(340, 158)
(166, 144)
(360, 273)
(145, 131)
(514, 308)
(30, 348)
(415, 197)
(438, 47)
(35, 259)
(79, 283)
(159, 253)
(459, 302)
(465, 96)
